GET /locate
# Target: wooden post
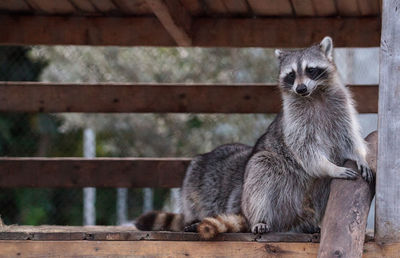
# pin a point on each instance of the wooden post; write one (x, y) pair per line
(387, 219)
(345, 220)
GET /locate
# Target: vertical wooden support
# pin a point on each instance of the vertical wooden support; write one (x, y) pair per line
(345, 220)
(387, 220)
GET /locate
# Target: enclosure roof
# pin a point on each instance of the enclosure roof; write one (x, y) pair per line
(221, 23)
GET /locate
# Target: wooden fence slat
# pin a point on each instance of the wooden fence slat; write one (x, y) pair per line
(156, 98)
(206, 32)
(98, 172)
(11, 248)
(387, 220)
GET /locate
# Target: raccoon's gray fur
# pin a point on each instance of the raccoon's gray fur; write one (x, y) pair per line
(282, 183)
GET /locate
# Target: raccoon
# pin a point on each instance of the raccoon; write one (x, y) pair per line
(282, 183)
(212, 186)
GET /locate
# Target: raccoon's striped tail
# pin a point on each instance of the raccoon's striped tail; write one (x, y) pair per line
(160, 221)
(210, 227)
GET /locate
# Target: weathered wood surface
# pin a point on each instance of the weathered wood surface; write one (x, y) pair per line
(159, 98)
(98, 172)
(387, 221)
(175, 19)
(345, 220)
(206, 32)
(122, 233)
(13, 248)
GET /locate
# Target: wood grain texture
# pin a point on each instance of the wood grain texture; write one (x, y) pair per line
(98, 172)
(53, 30)
(206, 32)
(303, 7)
(52, 7)
(343, 226)
(271, 7)
(387, 220)
(156, 98)
(285, 32)
(137, 7)
(348, 7)
(84, 6)
(14, 6)
(195, 7)
(124, 233)
(324, 7)
(12, 248)
(175, 19)
(104, 6)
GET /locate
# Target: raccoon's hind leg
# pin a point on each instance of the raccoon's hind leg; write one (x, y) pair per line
(192, 227)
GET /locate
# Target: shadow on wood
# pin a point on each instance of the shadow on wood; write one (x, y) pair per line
(345, 220)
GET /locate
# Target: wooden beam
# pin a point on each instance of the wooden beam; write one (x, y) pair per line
(286, 32)
(387, 219)
(175, 19)
(120, 233)
(158, 98)
(206, 32)
(57, 30)
(98, 172)
(343, 226)
(10, 248)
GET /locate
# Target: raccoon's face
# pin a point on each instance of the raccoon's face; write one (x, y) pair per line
(303, 71)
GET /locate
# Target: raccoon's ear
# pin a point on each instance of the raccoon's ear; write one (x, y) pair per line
(326, 46)
(279, 53)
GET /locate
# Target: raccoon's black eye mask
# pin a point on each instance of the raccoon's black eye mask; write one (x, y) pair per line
(316, 73)
(289, 78)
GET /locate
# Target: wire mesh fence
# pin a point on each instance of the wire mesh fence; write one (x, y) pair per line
(130, 135)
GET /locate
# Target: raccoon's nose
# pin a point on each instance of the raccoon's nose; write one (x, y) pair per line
(301, 88)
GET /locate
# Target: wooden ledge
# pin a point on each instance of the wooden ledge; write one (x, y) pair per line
(130, 233)
(12, 248)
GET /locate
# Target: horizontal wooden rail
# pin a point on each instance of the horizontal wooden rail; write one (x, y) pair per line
(98, 172)
(119, 233)
(156, 98)
(206, 32)
(83, 248)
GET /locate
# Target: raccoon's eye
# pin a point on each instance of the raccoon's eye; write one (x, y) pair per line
(314, 72)
(289, 78)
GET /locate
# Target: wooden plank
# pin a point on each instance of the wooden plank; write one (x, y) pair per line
(99, 172)
(29, 30)
(137, 7)
(215, 7)
(207, 32)
(343, 226)
(175, 249)
(271, 7)
(104, 6)
(368, 7)
(348, 7)
(52, 7)
(285, 32)
(83, 6)
(194, 7)
(175, 19)
(236, 7)
(387, 220)
(124, 233)
(145, 98)
(303, 7)
(324, 7)
(14, 6)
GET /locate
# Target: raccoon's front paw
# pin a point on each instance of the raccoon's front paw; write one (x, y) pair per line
(347, 173)
(365, 171)
(260, 228)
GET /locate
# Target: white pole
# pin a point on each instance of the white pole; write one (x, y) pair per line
(175, 200)
(89, 193)
(147, 199)
(122, 209)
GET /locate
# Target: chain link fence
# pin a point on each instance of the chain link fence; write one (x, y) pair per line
(130, 135)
